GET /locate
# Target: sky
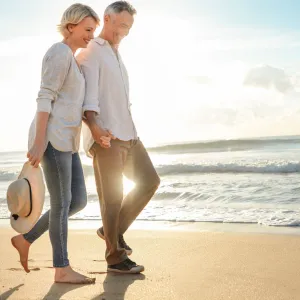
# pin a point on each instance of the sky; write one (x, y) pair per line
(198, 69)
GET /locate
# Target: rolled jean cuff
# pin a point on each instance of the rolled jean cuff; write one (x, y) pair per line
(61, 265)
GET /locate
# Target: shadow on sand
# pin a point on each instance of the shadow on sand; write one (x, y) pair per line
(7, 294)
(57, 290)
(115, 285)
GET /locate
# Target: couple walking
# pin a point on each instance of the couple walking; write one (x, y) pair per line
(93, 88)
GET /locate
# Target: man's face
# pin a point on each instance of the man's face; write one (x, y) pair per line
(118, 26)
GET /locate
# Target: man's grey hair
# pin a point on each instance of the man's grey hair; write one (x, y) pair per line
(118, 7)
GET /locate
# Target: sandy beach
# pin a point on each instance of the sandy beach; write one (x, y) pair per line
(180, 264)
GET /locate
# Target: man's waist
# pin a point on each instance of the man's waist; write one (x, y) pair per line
(124, 130)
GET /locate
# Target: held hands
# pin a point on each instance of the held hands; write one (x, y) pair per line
(36, 153)
(102, 136)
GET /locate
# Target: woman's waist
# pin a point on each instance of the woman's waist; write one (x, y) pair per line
(70, 120)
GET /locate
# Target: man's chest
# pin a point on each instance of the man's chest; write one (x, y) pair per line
(112, 67)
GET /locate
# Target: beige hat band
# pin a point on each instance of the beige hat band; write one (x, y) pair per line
(15, 216)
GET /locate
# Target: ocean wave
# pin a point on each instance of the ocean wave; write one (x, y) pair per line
(267, 218)
(7, 176)
(273, 167)
(288, 223)
(278, 215)
(166, 195)
(226, 145)
(288, 167)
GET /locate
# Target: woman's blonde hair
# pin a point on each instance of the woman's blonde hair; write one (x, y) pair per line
(74, 15)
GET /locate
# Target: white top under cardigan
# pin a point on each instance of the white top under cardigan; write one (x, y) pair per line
(61, 95)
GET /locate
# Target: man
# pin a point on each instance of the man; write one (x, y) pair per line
(111, 137)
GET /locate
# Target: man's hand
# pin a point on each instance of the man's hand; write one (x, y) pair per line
(102, 136)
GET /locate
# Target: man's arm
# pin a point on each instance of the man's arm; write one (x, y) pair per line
(100, 135)
(89, 61)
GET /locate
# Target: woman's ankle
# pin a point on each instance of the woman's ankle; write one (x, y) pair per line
(62, 270)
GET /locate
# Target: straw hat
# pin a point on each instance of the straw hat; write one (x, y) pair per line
(25, 198)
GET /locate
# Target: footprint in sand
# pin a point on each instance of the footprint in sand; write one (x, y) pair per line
(20, 269)
(99, 260)
(36, 260)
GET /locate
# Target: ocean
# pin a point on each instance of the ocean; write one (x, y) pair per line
(227, 181)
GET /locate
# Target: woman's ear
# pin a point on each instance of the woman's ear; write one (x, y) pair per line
(70, 27)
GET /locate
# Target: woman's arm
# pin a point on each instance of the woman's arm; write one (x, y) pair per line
(36, 152)
(55, 68)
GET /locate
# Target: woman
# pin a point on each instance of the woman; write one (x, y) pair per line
(54, 140)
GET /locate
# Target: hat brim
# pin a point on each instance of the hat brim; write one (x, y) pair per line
(35, 177)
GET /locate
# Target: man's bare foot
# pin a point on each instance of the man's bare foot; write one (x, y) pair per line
(22, 246)
(68, 275)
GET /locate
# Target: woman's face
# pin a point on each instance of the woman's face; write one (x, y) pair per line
(83, 32)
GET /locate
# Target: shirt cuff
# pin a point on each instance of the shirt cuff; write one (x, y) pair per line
(90, 107)
(44, 105)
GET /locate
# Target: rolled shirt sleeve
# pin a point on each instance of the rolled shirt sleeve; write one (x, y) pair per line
(91, 70)
(56, 65)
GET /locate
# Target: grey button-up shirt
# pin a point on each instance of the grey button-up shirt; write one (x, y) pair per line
(106, 91)
(61, 95)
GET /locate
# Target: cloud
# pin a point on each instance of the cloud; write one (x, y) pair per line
(268, 77)
(24, 46)
(199, 79)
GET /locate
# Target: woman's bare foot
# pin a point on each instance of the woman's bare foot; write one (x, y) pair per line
(68, 275)
(22, 246)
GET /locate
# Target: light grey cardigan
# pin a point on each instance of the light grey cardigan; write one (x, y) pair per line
(61, 95)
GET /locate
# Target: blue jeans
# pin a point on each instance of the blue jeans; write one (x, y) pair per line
(65, 181)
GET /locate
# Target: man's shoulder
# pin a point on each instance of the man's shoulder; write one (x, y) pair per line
(95, 45)
(91, 52)
(99, 41)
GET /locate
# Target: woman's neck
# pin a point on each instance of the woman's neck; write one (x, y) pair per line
(70, 45)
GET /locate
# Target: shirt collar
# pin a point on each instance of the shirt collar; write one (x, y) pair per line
(100, 41)
(103, 42)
